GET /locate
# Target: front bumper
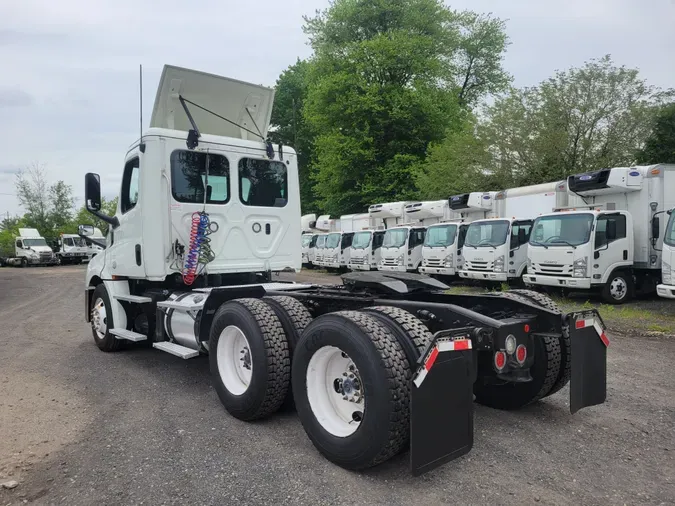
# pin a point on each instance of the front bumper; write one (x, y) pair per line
(445, 271)
(666, 291)
(392, 268)
(331, 264)
(359, 267)
(484, 275)
(559, 281)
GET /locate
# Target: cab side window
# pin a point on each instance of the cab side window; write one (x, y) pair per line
(417, 238)
(515, 231)
(19, 244)
(130, 178)
(601, 236)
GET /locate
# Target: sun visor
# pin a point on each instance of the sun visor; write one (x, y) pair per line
(245, 104)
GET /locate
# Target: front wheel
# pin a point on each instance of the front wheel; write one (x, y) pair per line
(102, 321)
(618, 289)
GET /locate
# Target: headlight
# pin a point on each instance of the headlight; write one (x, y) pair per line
(580, 268)
(667, 274)
(399, 260)
(499, 264)
(448, 260)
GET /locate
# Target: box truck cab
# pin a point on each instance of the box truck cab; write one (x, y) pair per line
(612, 241)
(366, 250)
(667, 287)
(72, 249)
(30, 248)
(442, 248)
(336, 252)
(308, 242)
(402, 248)
(319, 249)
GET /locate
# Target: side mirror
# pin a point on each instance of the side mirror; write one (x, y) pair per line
(522, 236)
(85, 230)
(611, 230)
(92, 191)
(655, 227)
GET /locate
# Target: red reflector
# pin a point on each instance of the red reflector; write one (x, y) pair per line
(500, 360)
(432, 358)
(527, 328)
(580, 324)
(461, 344)
(521, 353)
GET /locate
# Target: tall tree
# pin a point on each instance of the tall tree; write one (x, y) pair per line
(62, 204)
(384, 84)
(32, 190)
(660, 145)
(290, 127)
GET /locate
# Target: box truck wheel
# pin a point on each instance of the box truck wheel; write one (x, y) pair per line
(545, 370)
(565, 343)
(351, 384)
(102, 321)
(619, 288)
(249, 358)
(294, 318)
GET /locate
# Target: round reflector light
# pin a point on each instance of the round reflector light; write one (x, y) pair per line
(500, 360)
(510, 344)
(521, 353)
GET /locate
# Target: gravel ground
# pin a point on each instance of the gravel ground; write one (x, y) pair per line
(78, 426)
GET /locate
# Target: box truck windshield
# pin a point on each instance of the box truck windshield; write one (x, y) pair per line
(28, 243)
(361, 240)
(395, 238)
(440, 236)
(669, 238)
(485, 234)
(562, 230)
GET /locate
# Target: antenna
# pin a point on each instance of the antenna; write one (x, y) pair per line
(140, 93)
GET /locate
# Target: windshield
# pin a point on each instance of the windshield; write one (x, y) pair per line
(487, 233)
(669, 238)
(361, 240)
(34, 242)
(440, 236)
(321, 241)
(561, 230)
(332, 240)
(306, 239)
(395, 238)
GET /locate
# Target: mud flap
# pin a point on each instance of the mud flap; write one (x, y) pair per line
(441, 403)
(588, 383)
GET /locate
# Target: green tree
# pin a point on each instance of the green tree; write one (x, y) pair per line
(660, 145)
(578, 120)
(32, 190)
(10, 223)
(290, 127)
(84, 217)
(62, 204)
(389, 77)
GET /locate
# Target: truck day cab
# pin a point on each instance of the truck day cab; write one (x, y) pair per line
(72, 249)
(206, 202)
(611, 239)
(366, 250)
(402, 248)
(30, 248)
(442, 248)
(667, 287)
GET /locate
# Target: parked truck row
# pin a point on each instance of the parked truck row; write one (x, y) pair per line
(606, 231)
(30, 249)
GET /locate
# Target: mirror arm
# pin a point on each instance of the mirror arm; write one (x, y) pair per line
(91, 241)
(110, 220)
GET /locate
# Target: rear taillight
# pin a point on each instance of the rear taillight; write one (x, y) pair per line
(521, 354)
(500, 360)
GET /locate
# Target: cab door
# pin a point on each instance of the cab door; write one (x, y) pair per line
(613, 244)
(125, 253)
(520, 235)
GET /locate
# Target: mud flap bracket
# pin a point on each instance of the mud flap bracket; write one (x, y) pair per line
(441, 402)
(588, 383)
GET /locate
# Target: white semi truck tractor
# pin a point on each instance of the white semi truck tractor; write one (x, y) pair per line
(610, 238)
(667, 287)
(30, 248)
(495, 249)
(386, 362)
(72, 249)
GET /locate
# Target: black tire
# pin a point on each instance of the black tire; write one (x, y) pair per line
(619, 281)
(565, 342)
(385, 373)
(416, 331)
(24, 262)
(294, 318)
(269, 355)
(108, 342)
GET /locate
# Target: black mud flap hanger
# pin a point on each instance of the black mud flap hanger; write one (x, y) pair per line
(441, 401)
(588, 383)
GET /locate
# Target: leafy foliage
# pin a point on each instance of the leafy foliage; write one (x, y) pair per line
(660, 145)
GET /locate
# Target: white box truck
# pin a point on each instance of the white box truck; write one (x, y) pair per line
(30, 248)
(496, 249)
(667, 287)
(611, 238)
(402, 242)
(366, 250)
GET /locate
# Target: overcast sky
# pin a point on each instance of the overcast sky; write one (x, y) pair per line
(69, 85)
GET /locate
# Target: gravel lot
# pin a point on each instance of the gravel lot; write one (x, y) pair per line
(78, 426)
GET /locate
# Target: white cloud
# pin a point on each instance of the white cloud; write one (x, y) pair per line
(69, 88)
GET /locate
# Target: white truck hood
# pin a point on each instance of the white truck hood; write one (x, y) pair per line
(480, 254)
(556, 255)
(392, 252)
(41, 249)
(248, 105)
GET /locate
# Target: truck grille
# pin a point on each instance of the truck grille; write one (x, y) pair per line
(389, 261)
(434, 262)
(552, 269)
(478, 266)
(358, 261)
(45, 256)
